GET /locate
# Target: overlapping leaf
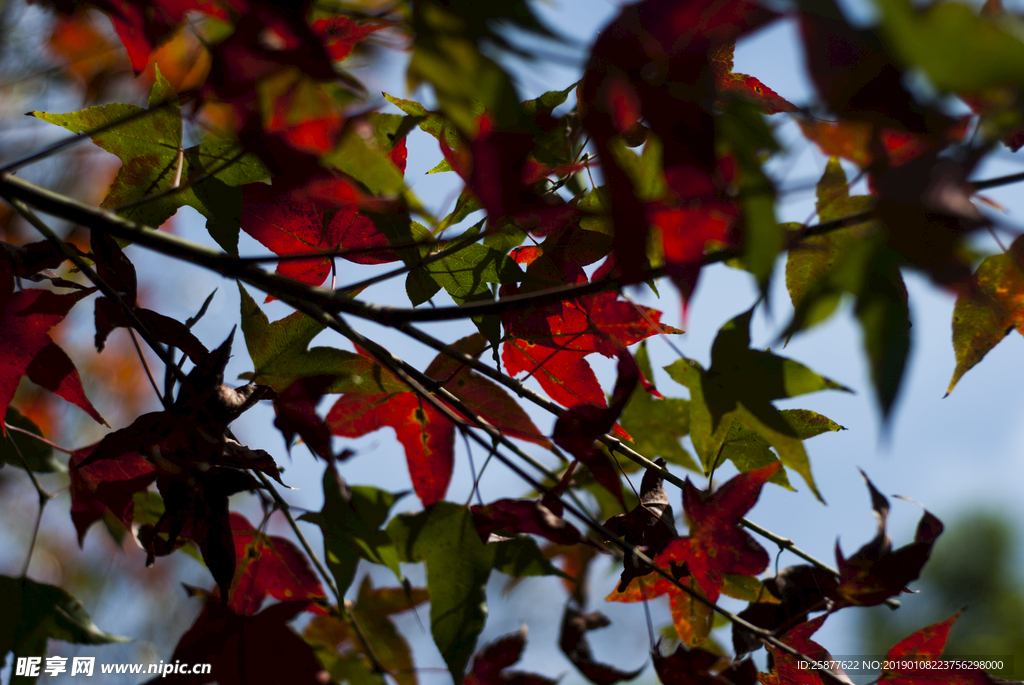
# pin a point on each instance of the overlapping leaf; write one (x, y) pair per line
(426, 434)
(788, 669)
(738, 390)
(342, 653)
(153, 162)
(913, 654)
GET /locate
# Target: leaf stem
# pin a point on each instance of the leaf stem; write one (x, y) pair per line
(38, 438)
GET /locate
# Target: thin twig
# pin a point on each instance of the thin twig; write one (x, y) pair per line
(44, 497)
(38, 438)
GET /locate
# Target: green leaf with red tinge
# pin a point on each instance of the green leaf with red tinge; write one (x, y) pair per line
(986, 314)
(269, 565)
(280, 355)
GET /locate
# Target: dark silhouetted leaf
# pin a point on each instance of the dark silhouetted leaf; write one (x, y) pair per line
(573, 642)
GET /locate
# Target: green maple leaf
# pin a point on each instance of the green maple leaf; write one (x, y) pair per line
(732, 401)
(280, 354)
(855, 260)
(149, 146)
(35, 612)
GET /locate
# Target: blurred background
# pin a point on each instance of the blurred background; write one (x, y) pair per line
(960, 456)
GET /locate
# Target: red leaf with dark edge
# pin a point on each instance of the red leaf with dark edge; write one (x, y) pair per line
(579, 426)
(648, 527)
(427, 435)
(564, 374)
(788, 670)
(25, 323)
(296, 414)
(270, 565)
(573, 642)
(242, 650)
(685, 232)
(512, 516)
(342, 34)
(716, 544)
(106, 486)
(694, 667)
(926, 645)
(54, 370)
(490, 662)
(659, 32)
(876, 572)
(357, 233)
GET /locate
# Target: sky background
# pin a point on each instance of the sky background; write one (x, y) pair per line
(953, 455)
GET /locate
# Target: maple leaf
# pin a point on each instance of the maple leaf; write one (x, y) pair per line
(738, 390)
(351, 520)
(280, 354)
(794, 591)
(742, 85)
(296, 414)
(573, 643)
(197, 466)
(876, 572)
(426, 434)
(269, 565)
(36, 612)
(341, 34)
(106, 486)
(913, 654)
(788, 669)
(154, 162)
(648, 527)
(984, 315)
(579, 426)
(25, 322)
(118, 272)
(852, 140)
(716, 545)
(641, 33)
(340, 650)
(490, 663)
(536, 517)
(858, 261)
(695, 667)
(244, 649)
(281, 219)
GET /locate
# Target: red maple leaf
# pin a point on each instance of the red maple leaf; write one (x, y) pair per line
(27, 349)
(680, 36)
(286, 223)
(914, 652)
(716, 543)
(791, 671)
(342, 34)
(106, 486)
(426, 434)
(269, 565)
(244, 649)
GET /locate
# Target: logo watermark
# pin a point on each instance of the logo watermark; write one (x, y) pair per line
(34, 666)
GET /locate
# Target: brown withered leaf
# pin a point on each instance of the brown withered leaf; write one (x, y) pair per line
(573, 641)
(648, 527)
